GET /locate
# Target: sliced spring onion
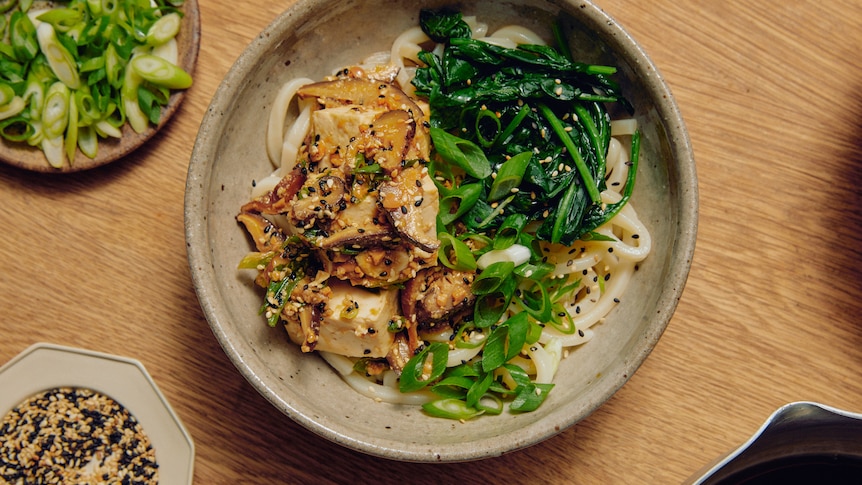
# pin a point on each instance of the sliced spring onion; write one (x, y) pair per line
(530, 397)
(160, 72)
(454, 253)
(456, 202)
(492, 277)
(164, 29)
(462, 153)
(55, 111)
(53, 149)
(509, 176)
(417, 373)
(22, 35)
(61, 61)
(71, 140)
(15, 106)
(16, 129)
(451, 409)
(509, 231)
(88, 141)
(129, 93)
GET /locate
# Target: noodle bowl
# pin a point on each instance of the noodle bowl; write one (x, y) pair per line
(313, 39)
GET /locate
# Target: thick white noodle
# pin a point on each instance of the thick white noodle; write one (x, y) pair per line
(546, 359)
(277, 117)
(511, 36)
(407, 46)
(293, 139)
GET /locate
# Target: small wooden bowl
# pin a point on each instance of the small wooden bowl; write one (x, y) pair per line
(111, 149)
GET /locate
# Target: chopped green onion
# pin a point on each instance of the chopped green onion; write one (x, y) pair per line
(509, 176)
(492, 277)
(22, 35)
(88, 141)
(16, 128)
(530, 397)
(129, 94)
(164, 29)
(160, 72)
(509, 231)
(454, 387)
(415, 376)
(61, 61)
(505, 342)
(539, 305)
(55, 110)
(451, 409)
(481, 123)
(478, 389)
(489, 309)
(461, 153)
(454, 253)
(456, 202)
(71, 140)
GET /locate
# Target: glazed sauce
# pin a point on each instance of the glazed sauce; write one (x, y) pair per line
(808, 469)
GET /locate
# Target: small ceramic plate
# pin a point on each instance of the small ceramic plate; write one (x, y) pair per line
(111, 149)
(46, 366)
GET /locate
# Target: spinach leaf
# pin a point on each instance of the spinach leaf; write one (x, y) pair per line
(443, 25)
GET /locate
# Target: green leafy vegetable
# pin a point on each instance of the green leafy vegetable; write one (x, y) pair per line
(520, 138)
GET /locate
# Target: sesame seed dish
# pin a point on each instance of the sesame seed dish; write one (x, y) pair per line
(71, 415)
(73, 435)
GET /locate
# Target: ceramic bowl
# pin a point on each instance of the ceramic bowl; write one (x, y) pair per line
(314, 38)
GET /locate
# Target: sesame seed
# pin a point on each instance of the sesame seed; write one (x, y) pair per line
(72, 435)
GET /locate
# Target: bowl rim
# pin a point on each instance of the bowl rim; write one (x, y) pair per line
(200, 258)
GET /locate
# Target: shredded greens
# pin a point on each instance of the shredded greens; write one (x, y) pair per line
(81, 70)
(520, 136)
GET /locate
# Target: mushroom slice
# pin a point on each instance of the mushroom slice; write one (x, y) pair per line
(392, 132)
(358, 226)
(411, 202)
(266, 236)
(437, 295)
(335, 130)
(321, 197)
(400, 353)
(362, 92)
(276, 200)
(384, 265)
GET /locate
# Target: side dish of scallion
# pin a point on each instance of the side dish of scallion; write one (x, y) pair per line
(79, 70)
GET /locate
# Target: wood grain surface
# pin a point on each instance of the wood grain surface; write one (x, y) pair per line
(771, 92)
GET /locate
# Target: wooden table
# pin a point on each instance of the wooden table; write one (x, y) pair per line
(771, 92)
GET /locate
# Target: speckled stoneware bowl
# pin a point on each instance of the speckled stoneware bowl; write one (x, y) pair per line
(312, 39)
